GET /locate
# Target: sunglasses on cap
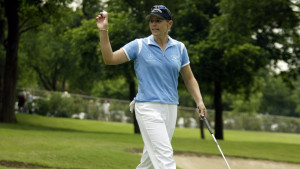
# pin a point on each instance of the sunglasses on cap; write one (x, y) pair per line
(162, 10)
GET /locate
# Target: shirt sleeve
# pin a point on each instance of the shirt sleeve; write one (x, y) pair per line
(131, 49)
(185, 57)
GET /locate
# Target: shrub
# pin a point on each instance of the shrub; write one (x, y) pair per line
(59, 106)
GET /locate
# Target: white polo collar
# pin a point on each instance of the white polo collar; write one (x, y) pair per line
(151, 41)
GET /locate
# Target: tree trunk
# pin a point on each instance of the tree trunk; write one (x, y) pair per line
(132, 93)
(7, 113)
(219, 110)
(2, 23)
(2, 38)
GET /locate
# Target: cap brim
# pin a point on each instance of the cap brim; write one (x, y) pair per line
(148, 16)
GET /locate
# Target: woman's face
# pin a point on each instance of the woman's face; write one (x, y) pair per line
(159, 27)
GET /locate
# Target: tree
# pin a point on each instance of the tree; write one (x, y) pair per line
(10, 71)
(235, 49)
(67, 53)
(2, 49)
(232, 40)
(33, 13)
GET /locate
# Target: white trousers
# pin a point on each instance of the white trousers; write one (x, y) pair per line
(157, 124)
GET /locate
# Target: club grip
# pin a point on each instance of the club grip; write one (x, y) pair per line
(207, 124)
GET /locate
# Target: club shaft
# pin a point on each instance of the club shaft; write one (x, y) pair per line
(210, 130)
(220, 151)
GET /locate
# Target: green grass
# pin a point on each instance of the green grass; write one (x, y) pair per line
(85, 144)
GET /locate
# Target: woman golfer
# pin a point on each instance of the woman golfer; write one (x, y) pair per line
(158, 60)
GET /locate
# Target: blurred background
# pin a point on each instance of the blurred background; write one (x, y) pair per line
(244, 54)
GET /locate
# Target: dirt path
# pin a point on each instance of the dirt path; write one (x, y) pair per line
(215, 162)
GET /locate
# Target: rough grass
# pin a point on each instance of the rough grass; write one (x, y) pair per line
(46, 142)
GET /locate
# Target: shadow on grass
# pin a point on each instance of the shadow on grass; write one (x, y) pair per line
(34, 127)
(17, 164)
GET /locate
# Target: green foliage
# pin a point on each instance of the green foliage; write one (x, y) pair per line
(111, 88)
(259, 122)
(241, 43)
(243, 115)
(58, 56)
(240, 54)
(91, 107)
(59, 105)
(239, 104)
(241, 62)
(46, 53)
(34, 13)
(90, 8)
(249, 122)
(227, 41)
(268, 24)
(87, 67)
(199, 12)
(273, 96)
(278, 99)
(27, 77)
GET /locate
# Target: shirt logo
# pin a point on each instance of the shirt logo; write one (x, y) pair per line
(174, 57)
(150, 58)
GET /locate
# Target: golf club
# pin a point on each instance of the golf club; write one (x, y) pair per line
(209, 128)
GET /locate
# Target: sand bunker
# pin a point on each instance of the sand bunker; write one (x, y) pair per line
(217, 162)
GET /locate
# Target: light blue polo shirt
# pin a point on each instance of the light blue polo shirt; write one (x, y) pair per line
(157, 71)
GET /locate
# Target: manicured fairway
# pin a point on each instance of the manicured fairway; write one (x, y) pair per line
(68, 143)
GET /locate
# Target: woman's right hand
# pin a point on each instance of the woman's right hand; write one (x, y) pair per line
(102, 22)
